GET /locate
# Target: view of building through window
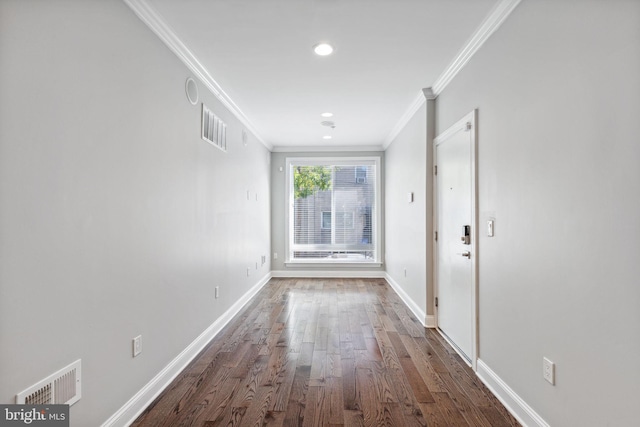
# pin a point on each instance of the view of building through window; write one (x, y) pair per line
(332, 217)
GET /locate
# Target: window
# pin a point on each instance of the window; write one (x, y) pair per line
(326, 220)
(343, 220)
(361, 174)
(333, 217)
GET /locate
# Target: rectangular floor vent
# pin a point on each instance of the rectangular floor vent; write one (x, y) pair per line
(62, 387)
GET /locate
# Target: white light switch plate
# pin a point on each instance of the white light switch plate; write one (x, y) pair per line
(137, 345)
(549, 370)
(490, 229)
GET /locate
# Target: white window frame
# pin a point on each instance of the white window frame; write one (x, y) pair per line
(376, 219)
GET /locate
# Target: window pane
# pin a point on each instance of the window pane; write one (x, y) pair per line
(326, 220)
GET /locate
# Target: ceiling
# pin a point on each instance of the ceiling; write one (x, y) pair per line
(259, 52)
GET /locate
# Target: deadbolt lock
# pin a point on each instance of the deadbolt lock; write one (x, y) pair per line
(466, 234)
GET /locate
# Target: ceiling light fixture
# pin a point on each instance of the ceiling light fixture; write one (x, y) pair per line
(323, 49)
(327, 137)
(327, 114)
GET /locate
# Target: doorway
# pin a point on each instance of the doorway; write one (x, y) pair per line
(455, 223)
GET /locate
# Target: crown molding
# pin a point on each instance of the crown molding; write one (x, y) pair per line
(492, 22)
(428, 94)
(159, 26)
(325, 148)
(404, 119)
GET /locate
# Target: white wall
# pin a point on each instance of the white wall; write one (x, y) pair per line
(407, 237)
(557, 88)
(116, 218)
(278, 223)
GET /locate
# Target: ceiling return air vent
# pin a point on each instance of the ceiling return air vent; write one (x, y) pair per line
(62, 387)
(214, 130)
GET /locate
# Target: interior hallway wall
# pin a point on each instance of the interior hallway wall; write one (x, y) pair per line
(408, 224)
(557, 89)
(116, 219)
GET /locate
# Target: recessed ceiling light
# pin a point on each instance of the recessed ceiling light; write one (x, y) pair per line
(327, 114)
(323, 49)
(327, 137)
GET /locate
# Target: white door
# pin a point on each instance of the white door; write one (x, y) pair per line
(456, 226)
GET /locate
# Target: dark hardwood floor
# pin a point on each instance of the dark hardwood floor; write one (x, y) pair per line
(326, 352)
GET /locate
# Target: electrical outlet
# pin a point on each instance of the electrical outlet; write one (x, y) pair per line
(275, 255)
(137, 345)
(549, 370)
(217, 291)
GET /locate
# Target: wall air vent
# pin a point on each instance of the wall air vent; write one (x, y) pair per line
(214, 130)
(62, 387)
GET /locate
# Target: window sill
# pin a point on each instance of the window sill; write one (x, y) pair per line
(332, 264)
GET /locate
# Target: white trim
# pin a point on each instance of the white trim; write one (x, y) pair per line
(143, 398)
(375, 160)
(453, 129)
(409, 302)
(428, 94)
(461, 126)
(509, 398)
(325, 148)
(491, 23)
(404, 119)
(431, 321)
(159, 26)
(334, 263)
(339, 274)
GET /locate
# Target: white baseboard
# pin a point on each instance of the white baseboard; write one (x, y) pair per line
(341, 274)
(143, 398)
(431, 321)
(514, 403)
(415, 309)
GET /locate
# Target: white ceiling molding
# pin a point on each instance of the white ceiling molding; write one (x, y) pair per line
(415, 105)
(325, 148)
(497, 16)
(158, 25)
(428, 93)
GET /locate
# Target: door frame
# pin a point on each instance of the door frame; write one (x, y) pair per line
(460, 125)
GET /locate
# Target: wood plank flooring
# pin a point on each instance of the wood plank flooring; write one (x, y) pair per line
(326, 352)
